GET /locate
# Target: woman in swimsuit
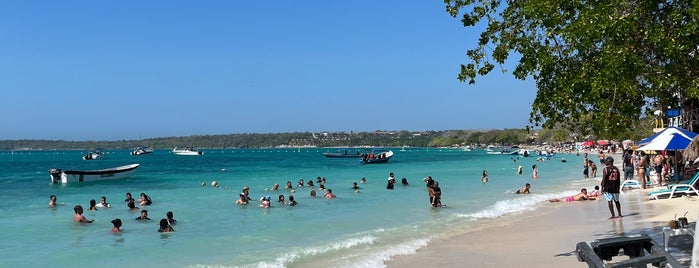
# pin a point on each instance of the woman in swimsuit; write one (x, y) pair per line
(582, 196)
(642, 163)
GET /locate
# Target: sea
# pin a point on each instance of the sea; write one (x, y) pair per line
(362, 228)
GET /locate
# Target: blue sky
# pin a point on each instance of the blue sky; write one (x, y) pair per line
(96, 70)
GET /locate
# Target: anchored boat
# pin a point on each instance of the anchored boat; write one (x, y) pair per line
(66, 176)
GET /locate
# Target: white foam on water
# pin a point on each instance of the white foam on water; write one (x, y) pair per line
(528, 203)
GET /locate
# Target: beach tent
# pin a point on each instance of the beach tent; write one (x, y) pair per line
(667, 131)
(670, 138)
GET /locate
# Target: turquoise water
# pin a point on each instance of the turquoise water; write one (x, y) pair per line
(354, 230)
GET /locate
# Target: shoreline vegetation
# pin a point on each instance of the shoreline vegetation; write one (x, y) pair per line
(446, 138)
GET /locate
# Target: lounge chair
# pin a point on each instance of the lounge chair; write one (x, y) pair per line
(678, 189)
(633, 183)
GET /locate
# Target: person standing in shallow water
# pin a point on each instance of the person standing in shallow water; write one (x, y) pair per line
(484, 178)
(391, 181)
(52, 201)
(535, 172)
(610, 186)
(117, 225)
(78, 217)
(437, 200)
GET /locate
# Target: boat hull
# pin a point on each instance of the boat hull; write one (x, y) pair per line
(382, 157)
(186, 152)
(68, 176)
(340, 155)
(141, 151)
(94, 156)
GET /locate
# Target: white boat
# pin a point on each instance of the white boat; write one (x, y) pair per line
(187, 151)
(94, 155)
(66, 176)
(545, 153)
(141, 150)
(503, 150)
(467, 148)
(523, 152)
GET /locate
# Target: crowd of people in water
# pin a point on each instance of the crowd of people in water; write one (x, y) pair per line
(165, 224)
(244, 198)
(265, 201)
(432, 188)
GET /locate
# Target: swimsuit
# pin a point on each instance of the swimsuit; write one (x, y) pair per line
(570, 199)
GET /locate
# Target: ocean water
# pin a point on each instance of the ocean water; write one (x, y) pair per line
(354, 230)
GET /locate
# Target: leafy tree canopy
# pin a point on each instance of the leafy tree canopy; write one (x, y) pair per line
(606, 63)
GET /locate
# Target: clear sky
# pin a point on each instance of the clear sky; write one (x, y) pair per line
(112, 70)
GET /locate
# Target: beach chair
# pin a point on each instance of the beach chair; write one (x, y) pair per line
(633, 183)
(678, 189)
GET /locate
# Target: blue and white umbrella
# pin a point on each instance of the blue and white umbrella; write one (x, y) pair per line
(671, 139)
(668, 131)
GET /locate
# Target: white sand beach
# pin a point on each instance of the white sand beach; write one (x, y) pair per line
(547, 237)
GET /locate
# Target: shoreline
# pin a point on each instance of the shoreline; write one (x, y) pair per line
(547, 236)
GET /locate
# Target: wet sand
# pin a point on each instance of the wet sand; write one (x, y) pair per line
(547, 237)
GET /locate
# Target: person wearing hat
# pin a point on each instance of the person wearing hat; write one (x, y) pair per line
(611, 184)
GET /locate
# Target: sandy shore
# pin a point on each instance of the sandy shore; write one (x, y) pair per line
(547, 237)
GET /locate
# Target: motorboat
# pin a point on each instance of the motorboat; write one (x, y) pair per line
(187, 151)
(66, 176)
(94, 155)
(503, 150)
(377, 156)
(545, 153)
(141, 150)
(523, 152)
(344, 153)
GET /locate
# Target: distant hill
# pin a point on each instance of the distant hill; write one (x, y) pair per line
(297, 139)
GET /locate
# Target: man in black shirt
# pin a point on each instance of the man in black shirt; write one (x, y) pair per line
(610, 186)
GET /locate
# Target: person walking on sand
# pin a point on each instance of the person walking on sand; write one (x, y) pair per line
(611, 185)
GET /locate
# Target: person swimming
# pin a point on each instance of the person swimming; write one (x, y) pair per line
(524, 190)
(52, 200)
(103, 203)
(165, 227)
(117, 225)
(170, 218)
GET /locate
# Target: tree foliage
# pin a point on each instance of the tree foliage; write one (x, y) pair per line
(604, 63)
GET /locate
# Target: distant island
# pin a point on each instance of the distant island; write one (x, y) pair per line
(447, 138)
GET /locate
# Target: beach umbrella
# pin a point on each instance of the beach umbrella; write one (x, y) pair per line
(667, 131)
(669, 142)
(603, 142)
(587, 144)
